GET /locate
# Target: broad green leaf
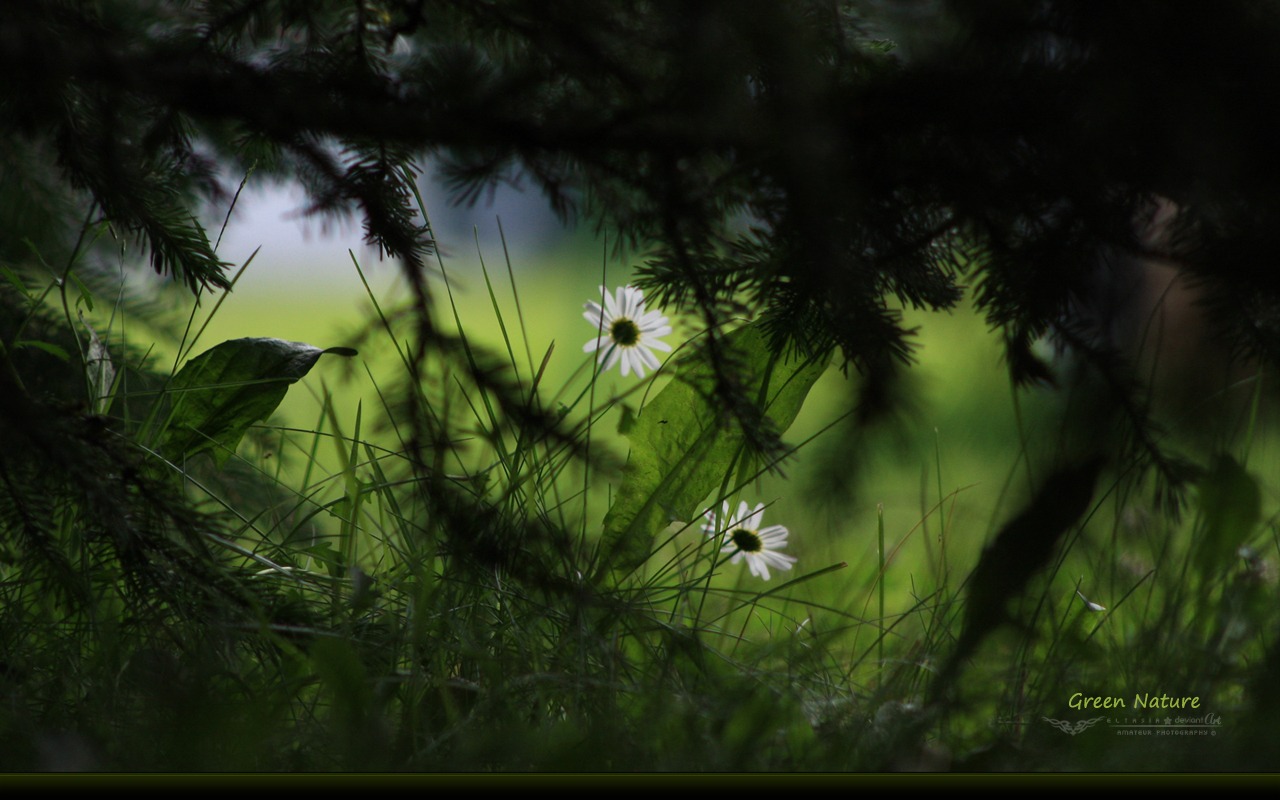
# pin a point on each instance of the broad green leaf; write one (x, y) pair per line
(682, 447)
(218, 394)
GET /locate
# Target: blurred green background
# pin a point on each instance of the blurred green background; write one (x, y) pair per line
(943, 475)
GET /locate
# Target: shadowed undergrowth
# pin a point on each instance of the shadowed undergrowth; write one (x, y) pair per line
(435, 583)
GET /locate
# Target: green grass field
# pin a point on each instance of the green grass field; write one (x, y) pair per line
(394, 633)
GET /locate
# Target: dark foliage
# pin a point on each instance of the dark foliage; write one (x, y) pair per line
(1021, 549)
(775, 159)
(767, 157)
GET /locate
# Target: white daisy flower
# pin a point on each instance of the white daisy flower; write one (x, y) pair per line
(744, 538)
(627, 333)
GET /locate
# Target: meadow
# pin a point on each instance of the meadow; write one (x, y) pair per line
(381, 642)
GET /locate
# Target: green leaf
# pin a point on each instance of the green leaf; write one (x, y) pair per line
(221, 392)
(86, 296)
(682, 447)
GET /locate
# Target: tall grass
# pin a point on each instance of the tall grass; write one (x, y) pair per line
(415, 585)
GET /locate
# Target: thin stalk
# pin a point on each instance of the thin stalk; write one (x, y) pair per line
(881, 555)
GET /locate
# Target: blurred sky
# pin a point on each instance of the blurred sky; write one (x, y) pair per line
(313, 249)
(303, 286)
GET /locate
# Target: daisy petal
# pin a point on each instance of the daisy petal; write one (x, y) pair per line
(611, 356)
(647, 357)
